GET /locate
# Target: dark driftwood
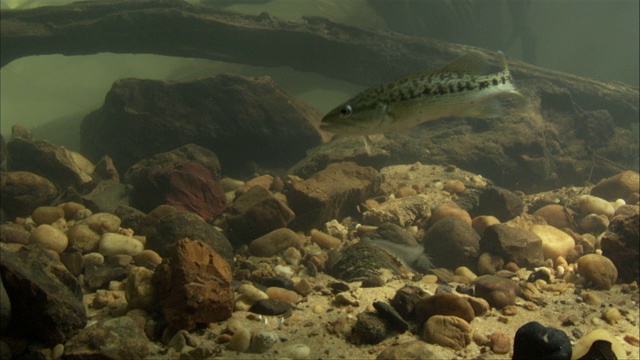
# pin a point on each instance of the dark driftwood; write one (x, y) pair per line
(175, 28)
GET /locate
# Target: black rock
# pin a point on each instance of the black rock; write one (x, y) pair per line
(131, 217)
(277, 281)
(338, 287)
(370, 328)
(539, 275)
(600, 350)
(464, 289)
(391, 315)
(271, 307)
(535, 341)
(405, 300)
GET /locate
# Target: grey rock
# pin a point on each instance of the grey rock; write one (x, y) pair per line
(107, 196)
(451, 243)
(99, 277)
(46, 300)
(520, 246)
(263, 341)
(371, 328)
(131, 217)
(110, 339)
(182, 224)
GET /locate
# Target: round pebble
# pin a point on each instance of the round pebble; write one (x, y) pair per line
(405, 192)
(93, 258)
(274, 242)
(147, 258)
(489, 264)
(482, 222)
(240, 340)
(83, 237)
(599, 270)
(556, 215)
(454, 186)
(49, 238)
(594, 223)
(103, 222)
(449, 210)
(292, 256)
(47, 214)
(283, 295)
(252, 293)
(296, 352)
(612, 315)
(114, 244)
(324, 240)
(590, 204)
(555, 242)
(70, 209)
(500, 342)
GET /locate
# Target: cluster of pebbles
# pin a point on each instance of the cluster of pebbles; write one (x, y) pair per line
(438, 264)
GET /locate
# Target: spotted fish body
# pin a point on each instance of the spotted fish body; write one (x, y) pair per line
(458, 89)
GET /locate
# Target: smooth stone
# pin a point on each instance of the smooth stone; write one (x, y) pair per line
(120, 260)
(595, 224)
(263, 341)
(590, 204)
(479, 305)
(93, 259)
(240, 341)
(147, 258)
(409, 350)
(296, 351)
(489, 264)
(620, 186)
(466, 272)
(373, 281)
(451, 243)
(482, 222)
(454, 186)
(50, 238)
(324, 240)
(22, 192)
(103, 223)
(391, 315)
(271, 307)
(405, 300)
(500, 342)
(599, 270)
(443, 304)
(274, 242)
(252, 293)
(100, 276)
(114, 244)
(498, 291)
(582, 346)
(555, 242)
(83, 237)
(449, 210)
(71, 208)
(556, 215)
(303, 287)
(264, 180)
(499, 202)
(449, 331)
(283, 295)
(535, 341)
(14, 233)
(47, 214)
(371, 328)
(292, 256)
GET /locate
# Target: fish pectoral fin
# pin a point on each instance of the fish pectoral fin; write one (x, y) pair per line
(491, 108)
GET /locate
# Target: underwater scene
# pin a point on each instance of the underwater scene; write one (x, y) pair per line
(319, 179)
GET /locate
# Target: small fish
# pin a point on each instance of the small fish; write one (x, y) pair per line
(458, 89)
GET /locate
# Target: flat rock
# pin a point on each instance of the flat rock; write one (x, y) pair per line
(332, 193)
(249, 120)
(621, 244)
(180, 224)
(22, 192)
(107, 196)
(110, 339)
(99, 276)
(274, 242)
(194, 286)
(255, 213)
(451, 243)
(46, 300)
(62, 167)
(514, 244)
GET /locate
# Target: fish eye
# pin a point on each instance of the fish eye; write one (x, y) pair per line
(346, 111)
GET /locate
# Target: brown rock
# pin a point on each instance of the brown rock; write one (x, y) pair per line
(514, 244)
(599, 270)
(449, 210)
(557, 216)
(500, 342)
(332, 193)
(501, 203)
(403, 212)
(410, 350)
(621, 244)
(118, 338)
(620, 186)
(443, 304)
(257, 212)
(498, 291)
(406, 299)
(22, 192)
(265, 181)
(105, 170)
(14, 233)
(451, 243)
(274, 242)
(194, 286)
(449, 331)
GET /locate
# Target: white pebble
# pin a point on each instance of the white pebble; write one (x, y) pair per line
(240, 341)
(297, 351)
(283, 270)
(252, 293)
(114, 244)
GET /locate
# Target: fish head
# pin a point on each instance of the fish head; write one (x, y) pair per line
(354, 118)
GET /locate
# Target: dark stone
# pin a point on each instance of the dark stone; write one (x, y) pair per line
(255, 213)
(338, 287)
(3, 149)
(185, 185)
(600, 350)
(498, 291)
(373, 281)
(621, 244)
(443, 304)
(5, 308)
(464, 289)
(520, 246)
(46, 300)
(271, 307)
(107, 196)
(332, 193)
(277, 281)
(499, 202)
(361, 261)
(620, 186)
(50, 161)
(391, 315)
(105, 170)
(14, 233)
(248, 120)
(22, 192)
(73, 260)
(535, 341)
(110, 339)
(98, 277)
(370, 328)
(451, 243)
(193, 286)
(131, 217)
(539, 275)
(405, 300)
(181, 224)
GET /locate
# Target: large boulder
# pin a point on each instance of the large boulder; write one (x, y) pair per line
(243, 120)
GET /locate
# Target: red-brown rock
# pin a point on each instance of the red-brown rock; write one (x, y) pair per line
(194, 286)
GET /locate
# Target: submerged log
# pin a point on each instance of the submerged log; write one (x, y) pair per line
(176, 28)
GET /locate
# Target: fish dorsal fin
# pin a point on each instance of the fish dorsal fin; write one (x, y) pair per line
(472, 64)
